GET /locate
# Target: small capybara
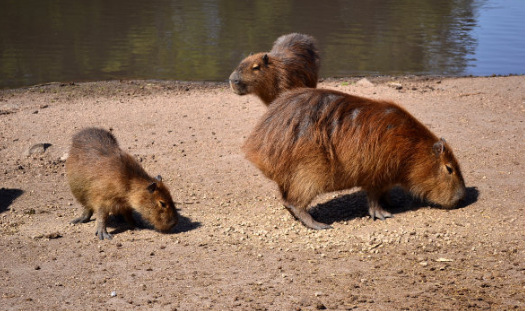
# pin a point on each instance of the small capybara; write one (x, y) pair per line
(106, 180)
(292, 63)
(312, 141)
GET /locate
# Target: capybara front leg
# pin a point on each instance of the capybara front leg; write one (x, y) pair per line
(374, 208)
(303, 216)
(102, 232)
(86, 216)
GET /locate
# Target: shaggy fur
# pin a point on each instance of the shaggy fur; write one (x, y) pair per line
(106, 180)
(312, 141)
(292, 63)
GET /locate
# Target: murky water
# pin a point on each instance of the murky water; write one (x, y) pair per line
(58, 40)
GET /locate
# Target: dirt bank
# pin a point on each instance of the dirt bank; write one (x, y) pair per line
(237, 247)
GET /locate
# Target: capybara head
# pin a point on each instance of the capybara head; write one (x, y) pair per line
(155, 204)
(252, 74)
(439, 180)
(292, 63)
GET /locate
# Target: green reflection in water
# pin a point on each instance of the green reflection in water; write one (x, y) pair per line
(57, 40)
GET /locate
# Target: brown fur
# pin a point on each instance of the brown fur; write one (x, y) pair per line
(292, 63)
(107, 180)
(312, 141)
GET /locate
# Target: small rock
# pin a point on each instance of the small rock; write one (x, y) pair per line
(444, 260)
(113, 294)
(397, 86)
(63, 158)
(54, 235)
(38, 149)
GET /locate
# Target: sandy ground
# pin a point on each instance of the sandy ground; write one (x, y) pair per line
(236, 247)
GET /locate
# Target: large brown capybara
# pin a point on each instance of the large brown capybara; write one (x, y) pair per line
(106, 180)
(312, 141)
(292, 63)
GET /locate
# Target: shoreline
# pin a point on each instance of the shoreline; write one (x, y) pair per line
(218, 83)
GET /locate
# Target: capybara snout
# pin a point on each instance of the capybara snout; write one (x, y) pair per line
(312, 141)
(236, 85)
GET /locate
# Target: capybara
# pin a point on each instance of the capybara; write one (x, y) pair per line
(292, 63)
(106, 180)
(312, 141)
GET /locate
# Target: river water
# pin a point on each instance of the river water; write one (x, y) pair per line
(87, 40)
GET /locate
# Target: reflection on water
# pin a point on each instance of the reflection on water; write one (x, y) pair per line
(58, 40)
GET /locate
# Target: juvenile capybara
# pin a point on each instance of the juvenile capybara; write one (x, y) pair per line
(292, 63)
(106, 180)
(312, 141)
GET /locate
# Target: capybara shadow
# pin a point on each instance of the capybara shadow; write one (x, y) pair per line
(314, 141)
(292, 63)
(120, 225)
(186, 224)
(7, 197)
(354, 205)
(471, 197)
(342, 208)
(106, 180)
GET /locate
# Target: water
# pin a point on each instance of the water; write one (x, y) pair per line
(86, 40)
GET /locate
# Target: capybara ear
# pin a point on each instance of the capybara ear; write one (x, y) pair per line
(438, 147)
(159, 178)
(265, 59)
(152, 187)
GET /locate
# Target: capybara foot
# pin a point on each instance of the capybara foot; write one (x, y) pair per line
(86, 216)
(304, 217)
(103, 234)
(378, 212)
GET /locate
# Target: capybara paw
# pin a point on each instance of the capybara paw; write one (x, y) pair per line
(79, 220)
(312, 224)
(380, 213)
(103, 234)
(320, 226)
(76, 220)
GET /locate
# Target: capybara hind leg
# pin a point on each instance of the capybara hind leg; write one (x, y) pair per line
(86, 216)
(102, 232)
(374, 208)
(303, 216)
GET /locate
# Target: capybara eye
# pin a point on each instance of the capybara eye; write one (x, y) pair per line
(449, 169)
(162, 204)
(256, 67)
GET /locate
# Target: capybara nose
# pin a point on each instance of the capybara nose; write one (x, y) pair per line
(234, 78)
